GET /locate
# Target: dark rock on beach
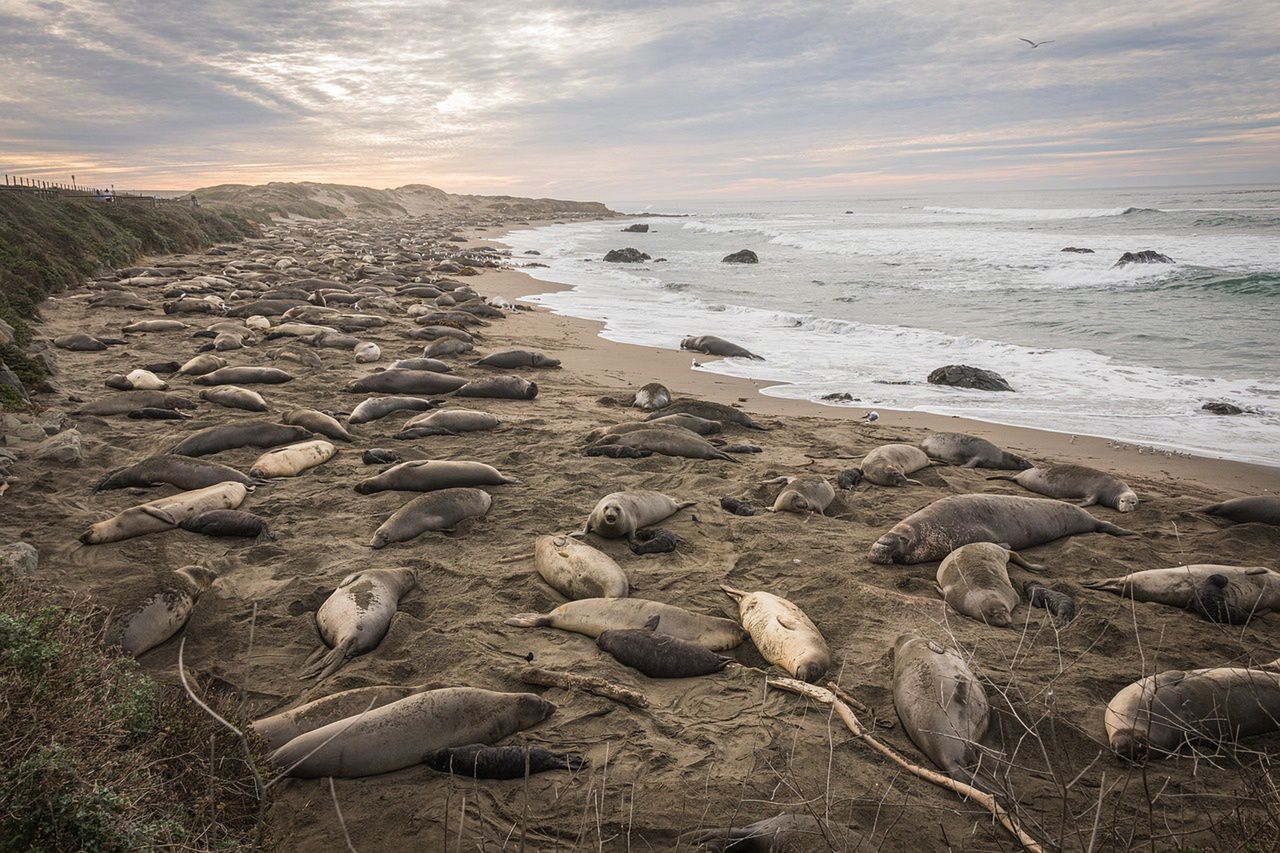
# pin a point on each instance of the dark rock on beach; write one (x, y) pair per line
(1146, 256)
(1220, 407)
(964, 376)
(637, 228)
(625, 256)
(744, 256)
(1078, 251)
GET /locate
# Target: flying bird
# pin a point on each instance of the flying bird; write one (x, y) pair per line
(1035, 44)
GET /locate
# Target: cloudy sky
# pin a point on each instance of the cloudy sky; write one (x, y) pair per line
(643, 100)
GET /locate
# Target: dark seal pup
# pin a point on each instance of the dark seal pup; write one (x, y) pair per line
(478, 761)
(659, 655)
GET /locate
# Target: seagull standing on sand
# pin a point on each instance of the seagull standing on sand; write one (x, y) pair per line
(1035, 44)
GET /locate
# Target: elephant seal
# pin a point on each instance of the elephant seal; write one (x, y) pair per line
(163, 614)
(659, 655)
(234, 397)
(149, 414)
(634, 426)
(1018, 523)
(1078, 483)
(180, 471)
(291, 460)
(512, 358)
(143, 380)
(447, 422)
(708, 410)
(1222, 705)
(576, 570)
(810, 493)
(592, 616)
(278, 729)
(652, 397)
(621, 514)
(202, 365)
(317, 422)
(216, 439)
(132, 401)
(440, 510)
(402, 733)
(1060, 605)
(617, 451)
(500, 388)
(434, 333)
(446, 347)
(711, 345)
(1231, 594)
(956, 448)
(367, 352)
(784, 833)
(244, 375)
(375, 408)
(693, 423)
(155, 326)
(355, 618)
(430, 364)
(889, 465)
(84, 343)
(783, 634)
(397, 380)
(668, 442)
(427, 475)
(941, 704)
(227, 522)
(478, 761)
(164, 513)
(737, 506)
(974, 580)
(1264, 509)
(653, 540)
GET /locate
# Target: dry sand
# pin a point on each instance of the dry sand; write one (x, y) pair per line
(709, 751)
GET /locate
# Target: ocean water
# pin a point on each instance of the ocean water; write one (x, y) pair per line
(866, 297)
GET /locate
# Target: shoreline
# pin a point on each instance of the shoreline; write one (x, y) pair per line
(635, 365)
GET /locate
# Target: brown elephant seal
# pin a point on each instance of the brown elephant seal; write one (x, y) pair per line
(889, 465)
(1222, 705)
(440, 510)
(784, 833)
(941, 704)
(355, 618)
(693, 423)
(708, 410)
(634, 426)
(202, 365)
(659, 655)
(448, 422)
(149, 414)
(1077, 483)
(375, 408)
(783, 634)
(576, 570)
(445, 347)
(163, 614)
(651, 397)
(402, 733)
(216, 439)
(712, 345)
(317, 422)
(132, 401)
(84, 343)
(399, 381)
(667, 442)
(427, 475)
(499, 388)
(292, 459)
(956, 448)
(810, 493)
(1231, 594)
(592, 616)
(164, 513)
(278, 729)
(974, 580)
(477, 761)
(244, 376)
(621, 514)
(181, 471)
(431, 332)
(512, 358)
(367, 352)
(431, 364)
(1264, 509)
(227, 522)
(235, 397)
(1018, 523)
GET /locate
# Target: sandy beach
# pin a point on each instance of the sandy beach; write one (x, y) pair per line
(714, 751)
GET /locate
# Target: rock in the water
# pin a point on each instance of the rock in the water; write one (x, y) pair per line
(19, 559)
(637, 228)
(839, 397)
(625, 256)
(745, 256)
(1078, 251)
(1144, 257)
(964, 376)
(1220, 407)
(63, 447)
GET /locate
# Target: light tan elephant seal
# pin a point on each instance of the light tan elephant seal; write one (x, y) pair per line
(1232, 594)
(810, 493)
(889, 464)
(355, 618)
(1077, 483)
(165, 513)
(784, 635)
(592, 616)
(440, 510)
(576, 570)
(163, 614)
(282, 727)
(292, 460)
(974, 580)
(621, 514)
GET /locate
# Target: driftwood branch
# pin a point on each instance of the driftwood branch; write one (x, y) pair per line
(586, 683)
(982, 798)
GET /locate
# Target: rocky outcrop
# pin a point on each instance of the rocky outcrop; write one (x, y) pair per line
(1078, 251)
(64, 447)
(744, 256)
(18, 560)
(964, 376)
(637, 228)
(1146, 256)
(625, 256)
(1221, 407)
